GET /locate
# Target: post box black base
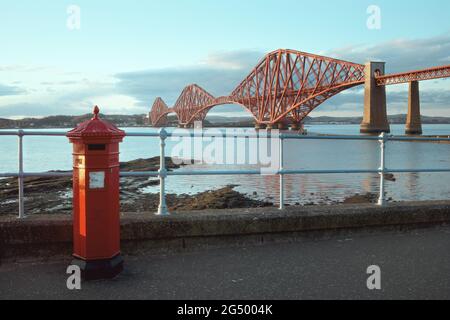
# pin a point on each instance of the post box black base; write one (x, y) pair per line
(99, 269)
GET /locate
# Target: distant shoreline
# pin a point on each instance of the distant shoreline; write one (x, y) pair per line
(219, 125)
(141, 121)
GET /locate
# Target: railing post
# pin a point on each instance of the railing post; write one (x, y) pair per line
(381, 199)
(21, 177)
(162, 209)
(281, 156)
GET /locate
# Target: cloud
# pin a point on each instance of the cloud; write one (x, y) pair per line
(110, 104)
(240, 60)
(60, 83)
(23, 68)
(401, 54)
(10, 90)
(27, 109)
(74, 101)
(218, 74)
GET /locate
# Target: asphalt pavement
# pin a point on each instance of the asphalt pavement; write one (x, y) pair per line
(414, 264)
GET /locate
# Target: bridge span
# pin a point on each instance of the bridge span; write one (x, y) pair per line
(287, 85)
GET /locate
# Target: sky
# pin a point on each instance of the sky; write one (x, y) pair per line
(63, 57)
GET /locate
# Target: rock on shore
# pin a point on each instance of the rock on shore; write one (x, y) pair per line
(224, 198)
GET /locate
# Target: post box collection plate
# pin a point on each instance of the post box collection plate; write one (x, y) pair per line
(97, 180)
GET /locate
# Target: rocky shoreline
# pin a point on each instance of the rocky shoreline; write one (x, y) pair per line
(54, 195)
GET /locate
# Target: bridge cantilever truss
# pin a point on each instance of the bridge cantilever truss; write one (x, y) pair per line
(159, 112)
(286, 85)
(290, 84)
(405, 77)
(192, 104)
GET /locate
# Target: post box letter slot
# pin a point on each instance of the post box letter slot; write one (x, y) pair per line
(97, 147)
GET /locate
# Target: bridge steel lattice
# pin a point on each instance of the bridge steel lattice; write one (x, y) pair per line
(419, 75)
(286, 86)
(159, 112)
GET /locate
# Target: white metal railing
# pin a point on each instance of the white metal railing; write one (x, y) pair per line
(163, 173)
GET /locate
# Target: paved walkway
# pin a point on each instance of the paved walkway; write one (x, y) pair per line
(414, 265)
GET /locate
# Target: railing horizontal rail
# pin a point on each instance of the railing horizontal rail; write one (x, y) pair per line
(206, 134)
(140, 174)
(229, 172)
(33, 133)
(37, 175)
(406, 138)
(417, 170)
(70, 174)
(213, 172)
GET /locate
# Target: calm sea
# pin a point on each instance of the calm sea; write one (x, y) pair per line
(54, 153)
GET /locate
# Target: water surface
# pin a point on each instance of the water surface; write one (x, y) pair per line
(54, 153)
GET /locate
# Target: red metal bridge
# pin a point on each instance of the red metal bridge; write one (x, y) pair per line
(285, 87)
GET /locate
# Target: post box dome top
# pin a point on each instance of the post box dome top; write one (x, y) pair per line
(96, 128)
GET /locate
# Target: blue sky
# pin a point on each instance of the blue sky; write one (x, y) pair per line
(127, 53)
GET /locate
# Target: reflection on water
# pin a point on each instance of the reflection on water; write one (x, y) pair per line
(47, 153)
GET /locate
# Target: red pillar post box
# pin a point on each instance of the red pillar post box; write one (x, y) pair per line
(96, 205)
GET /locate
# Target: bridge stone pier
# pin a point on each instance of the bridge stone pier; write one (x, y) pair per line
(259, 126)
(413, 120)
(375, 119)
(282, 125)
